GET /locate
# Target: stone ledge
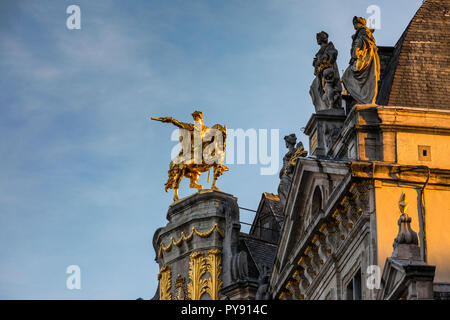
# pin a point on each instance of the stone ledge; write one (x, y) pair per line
(195, 200)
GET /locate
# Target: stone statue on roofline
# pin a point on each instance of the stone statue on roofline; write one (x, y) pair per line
(289, 162)
(326, 87)
(362, 75)
(263, 283)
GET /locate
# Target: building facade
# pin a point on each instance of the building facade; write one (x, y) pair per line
(365, 215)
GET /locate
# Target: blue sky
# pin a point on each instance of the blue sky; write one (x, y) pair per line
(82, 167)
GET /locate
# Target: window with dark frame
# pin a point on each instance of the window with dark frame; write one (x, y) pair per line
(354, 289)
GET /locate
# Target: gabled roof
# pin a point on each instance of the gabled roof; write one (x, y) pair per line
(272, 202)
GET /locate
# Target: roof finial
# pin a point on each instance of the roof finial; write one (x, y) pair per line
(402, 203)
(405, 234)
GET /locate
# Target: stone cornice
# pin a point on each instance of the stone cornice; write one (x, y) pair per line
(387, 171)
(318, 243)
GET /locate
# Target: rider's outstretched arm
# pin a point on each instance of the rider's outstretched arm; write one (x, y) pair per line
(175, 122)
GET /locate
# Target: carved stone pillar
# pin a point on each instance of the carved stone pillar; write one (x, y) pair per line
(323, 129)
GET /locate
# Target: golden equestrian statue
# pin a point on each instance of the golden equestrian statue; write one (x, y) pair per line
(202, 148)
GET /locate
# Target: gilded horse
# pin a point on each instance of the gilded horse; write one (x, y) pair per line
(212, 153)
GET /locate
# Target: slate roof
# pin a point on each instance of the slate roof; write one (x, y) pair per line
(418, 74)
(260, 251)
(275, 206)
(272, 201)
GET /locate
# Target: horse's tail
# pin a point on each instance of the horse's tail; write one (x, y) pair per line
(170, 184)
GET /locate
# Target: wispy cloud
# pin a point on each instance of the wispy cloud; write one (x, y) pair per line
(82, 167)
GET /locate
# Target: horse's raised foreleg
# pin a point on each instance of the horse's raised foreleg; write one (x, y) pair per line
(218, 171)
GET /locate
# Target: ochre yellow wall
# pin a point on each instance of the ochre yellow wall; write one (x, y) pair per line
(437, 206)
(407, 149)
(387, 216)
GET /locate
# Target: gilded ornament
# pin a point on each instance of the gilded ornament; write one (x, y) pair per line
(214, 267)
(203, 148)
(165, 283)
(197, 268)
(183, 237)
(180, 288)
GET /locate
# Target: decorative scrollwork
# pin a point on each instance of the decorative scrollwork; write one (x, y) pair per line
(184, 237)
(180, 288)
(285, 295)
(165, 283)
(197, 268)
(214, 267)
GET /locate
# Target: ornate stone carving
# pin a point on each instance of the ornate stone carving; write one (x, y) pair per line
(197, 268)
(324, 251)
(293, 287)
(330, 231)
(289, 162)
(326, 88)
(309, 268)
(214, 267)
(362, 75)
(285, 295)
(189, 237)
(234, 260)
(332, 131)
(165, 283)
(199, 265)
(180, 288)
(299, 274)
(312, 251)
(239, 266)
(263, 283)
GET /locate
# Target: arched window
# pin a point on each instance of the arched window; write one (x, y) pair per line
(316, 200)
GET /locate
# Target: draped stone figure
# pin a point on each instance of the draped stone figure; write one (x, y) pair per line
(289, 161)
(263, 283)
(326, 87)
(362, 75)
(285, 174)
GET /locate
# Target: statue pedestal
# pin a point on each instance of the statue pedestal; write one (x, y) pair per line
(323, 129)
(194, 248)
